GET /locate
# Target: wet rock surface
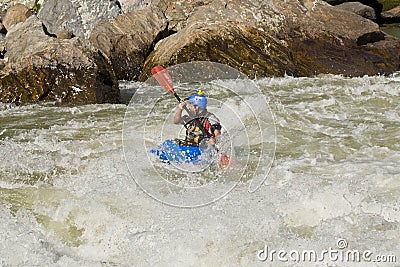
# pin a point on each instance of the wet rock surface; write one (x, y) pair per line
(392, 15)
(16, 14)
(267, 40)
(128, 39)
(74, 52)
(43, 68)
(77, 17)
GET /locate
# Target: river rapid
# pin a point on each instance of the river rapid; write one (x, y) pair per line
(67, 197)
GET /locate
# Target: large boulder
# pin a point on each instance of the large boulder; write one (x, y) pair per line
(392, 15)
(272, 38)
(246, 48)
(16, 14)
(76, 16)
(375, 4)
(127, 39)
(31, 4)
(229, 33)
(331, 40)
(42, 68)
(360, 9)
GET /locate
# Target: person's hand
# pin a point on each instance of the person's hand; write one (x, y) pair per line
(211, 141)
(182, 105)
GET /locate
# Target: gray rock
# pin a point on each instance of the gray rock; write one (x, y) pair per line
(178, 12)
(3, 40)
(64, 34)
(127, 39)
(76, 16)
(262, 39)
(25, 39)
(392, 15)
(2, 63)
(375, 4)
(28, 3)
(42, 68)
(360, 9)
(16, 14)
(6, 4)
(131, 5)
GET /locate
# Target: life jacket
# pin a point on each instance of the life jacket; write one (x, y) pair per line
(198, 129)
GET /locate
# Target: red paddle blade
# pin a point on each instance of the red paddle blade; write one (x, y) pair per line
(163, 78)
(224, 161)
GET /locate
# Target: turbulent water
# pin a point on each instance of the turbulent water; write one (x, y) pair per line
(68, 197)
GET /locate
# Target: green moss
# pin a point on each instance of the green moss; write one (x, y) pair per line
(389, 4)
(36, 7)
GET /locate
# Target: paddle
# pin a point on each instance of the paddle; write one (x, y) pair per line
(165, 80)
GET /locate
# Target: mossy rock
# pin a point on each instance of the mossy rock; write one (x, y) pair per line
(389, 4)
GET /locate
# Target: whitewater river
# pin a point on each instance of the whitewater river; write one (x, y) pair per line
(69, 194)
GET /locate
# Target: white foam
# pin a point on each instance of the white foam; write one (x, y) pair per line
(67, 198)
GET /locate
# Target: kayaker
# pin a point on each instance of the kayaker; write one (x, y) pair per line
(201, 125)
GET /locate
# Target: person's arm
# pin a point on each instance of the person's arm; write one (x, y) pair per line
(216, 128)
(178, 115)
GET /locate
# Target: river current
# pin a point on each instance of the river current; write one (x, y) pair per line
(68, 197)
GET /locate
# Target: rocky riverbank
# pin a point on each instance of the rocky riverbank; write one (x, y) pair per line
(74, 52)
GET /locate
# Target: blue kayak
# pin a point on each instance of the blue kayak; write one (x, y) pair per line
(170, 151)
